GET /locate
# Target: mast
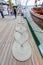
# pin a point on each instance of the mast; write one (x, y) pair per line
(10, 4)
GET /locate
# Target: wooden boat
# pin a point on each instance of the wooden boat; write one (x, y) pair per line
(37, 15)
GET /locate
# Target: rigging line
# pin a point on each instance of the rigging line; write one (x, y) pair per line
(22, 43)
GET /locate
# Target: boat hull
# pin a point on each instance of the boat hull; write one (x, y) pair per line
(38, 19)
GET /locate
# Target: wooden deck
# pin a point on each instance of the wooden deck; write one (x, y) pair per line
(7, 28)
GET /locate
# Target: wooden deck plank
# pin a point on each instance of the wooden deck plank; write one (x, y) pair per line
(7, 39)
